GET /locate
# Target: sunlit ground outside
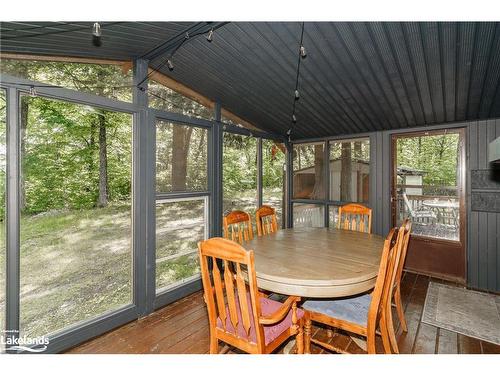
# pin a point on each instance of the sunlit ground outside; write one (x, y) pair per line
(78, 264)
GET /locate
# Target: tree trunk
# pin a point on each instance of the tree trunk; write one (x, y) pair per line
(319, 186)
(180, 148)
(345, 172)
(91, 154)
(103, 162)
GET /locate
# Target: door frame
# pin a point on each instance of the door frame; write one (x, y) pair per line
(433, 248)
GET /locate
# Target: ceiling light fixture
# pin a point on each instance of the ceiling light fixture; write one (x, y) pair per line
(303, 52)
(210, 36)
(170, 65)
(96, 34)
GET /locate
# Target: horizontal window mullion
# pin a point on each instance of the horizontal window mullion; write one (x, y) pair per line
(182, 195)
(69, 95)
(310, 201)
(181, 119)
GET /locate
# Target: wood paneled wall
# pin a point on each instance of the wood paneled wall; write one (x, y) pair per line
(484, 227)
(483, 232)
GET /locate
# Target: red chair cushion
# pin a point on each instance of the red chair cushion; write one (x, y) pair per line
(271, 332)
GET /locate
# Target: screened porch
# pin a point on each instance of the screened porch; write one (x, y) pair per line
(125, 145)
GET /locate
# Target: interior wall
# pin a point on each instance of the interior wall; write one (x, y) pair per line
(483, 196)
(483, 200)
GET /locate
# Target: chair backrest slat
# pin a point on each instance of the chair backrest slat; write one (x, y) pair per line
(238, 227)
(242, 296)
(231, 301)
(267, 222)
(355, 217)
(219, 293)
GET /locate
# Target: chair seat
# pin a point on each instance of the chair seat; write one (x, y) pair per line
(271, 332)
(354, 310)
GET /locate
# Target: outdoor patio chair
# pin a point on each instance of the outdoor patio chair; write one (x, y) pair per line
(239, 316)
(238, 227)
(421, 216)
(266, 220)
(361, 314)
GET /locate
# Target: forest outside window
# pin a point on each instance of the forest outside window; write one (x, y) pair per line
(308, 171)
(350, 171)
(76, 202)
(181, 166)
(107, 80)
(239, 173)
(273, 176)
(166, 99)
(181, 158)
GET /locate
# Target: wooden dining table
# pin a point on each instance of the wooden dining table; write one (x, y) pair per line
(317, 262)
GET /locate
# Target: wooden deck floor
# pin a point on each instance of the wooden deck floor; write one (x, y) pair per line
(182, 327)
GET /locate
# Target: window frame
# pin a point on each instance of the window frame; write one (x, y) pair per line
(327, 202)
(80, 331)
(206, 228)
(133, 211)
(169, 294)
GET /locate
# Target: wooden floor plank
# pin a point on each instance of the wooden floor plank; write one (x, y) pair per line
(340, 340)
(425, 339)
(468, 345)
(489, 348)
(182, 327)
(318, 334)
(447, 342)
(413, 313)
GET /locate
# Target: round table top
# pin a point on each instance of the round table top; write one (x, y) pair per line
(317, 262)
(441, 204)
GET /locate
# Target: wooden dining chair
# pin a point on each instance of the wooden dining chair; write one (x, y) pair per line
(361, 314)
(355, 217)
(396, 296)
(238, 227)
(267, 222)
(238, 314)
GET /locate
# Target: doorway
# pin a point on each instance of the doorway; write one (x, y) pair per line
(428, 186)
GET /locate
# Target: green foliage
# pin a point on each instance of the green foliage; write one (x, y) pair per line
(161, 97)
(273, 161)
(60, 162)
(239, 164)
(435, 155)
(102, 80)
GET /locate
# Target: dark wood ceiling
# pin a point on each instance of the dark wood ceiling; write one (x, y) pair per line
(357, 77)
